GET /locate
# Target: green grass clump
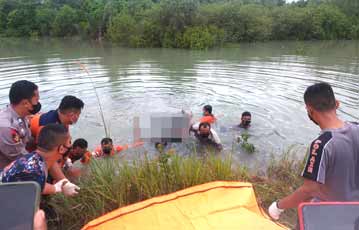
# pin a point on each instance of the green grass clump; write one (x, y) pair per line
(282, 178)
(248, 147)
(110, 183)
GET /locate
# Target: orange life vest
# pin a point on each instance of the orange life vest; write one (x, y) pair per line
(35, 126)
(86, 158)
(117, 149)
(208, 119)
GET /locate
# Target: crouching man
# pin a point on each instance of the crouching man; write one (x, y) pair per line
(54, 142)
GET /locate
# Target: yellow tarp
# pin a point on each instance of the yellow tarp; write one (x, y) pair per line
(215, 205)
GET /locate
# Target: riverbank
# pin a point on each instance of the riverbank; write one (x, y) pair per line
(190, 24)
(113, 183)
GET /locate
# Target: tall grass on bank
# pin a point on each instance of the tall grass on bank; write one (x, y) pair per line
(110, 183)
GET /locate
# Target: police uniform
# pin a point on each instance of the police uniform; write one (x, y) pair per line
(14, 135)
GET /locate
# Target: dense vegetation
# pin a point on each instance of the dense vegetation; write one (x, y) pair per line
(194, 24)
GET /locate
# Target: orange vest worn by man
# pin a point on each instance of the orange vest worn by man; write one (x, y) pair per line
(100, 152)
(38, 121)
(108, 149)
(208, 119)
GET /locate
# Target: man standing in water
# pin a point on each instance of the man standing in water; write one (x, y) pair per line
(206, 135)
(107, 147)
(207, 115)
(246, 120)
(331, 171)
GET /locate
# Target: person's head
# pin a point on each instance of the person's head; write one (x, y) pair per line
(207, 110)
(24, 97)
(319, 100)
(107, 145)
(70, 109)
(79, 148)
(204, 129)
(54, 142)
(160, 145)
(246, 119)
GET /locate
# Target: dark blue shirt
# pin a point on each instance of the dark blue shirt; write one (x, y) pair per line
(50, 117)
(30, 167)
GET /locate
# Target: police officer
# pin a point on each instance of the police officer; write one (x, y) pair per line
(14, 127)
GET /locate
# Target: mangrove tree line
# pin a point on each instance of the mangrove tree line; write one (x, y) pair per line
(194, 24)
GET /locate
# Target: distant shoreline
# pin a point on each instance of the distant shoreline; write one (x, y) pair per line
(181, 24)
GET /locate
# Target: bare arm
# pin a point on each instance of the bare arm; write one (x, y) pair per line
(194, 127)
(48, 189)
(307, 191)
(56, 172)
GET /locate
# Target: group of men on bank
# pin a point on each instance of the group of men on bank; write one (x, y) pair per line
(34, 153)
(38, 146)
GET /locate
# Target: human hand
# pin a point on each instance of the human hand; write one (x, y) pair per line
(40, 220)
(68, 163)
(190, 114)
(274, 212)
(70, 189)
(58, 185)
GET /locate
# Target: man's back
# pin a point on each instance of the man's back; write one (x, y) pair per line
(343, 177)
(30, 167)
(335, 157)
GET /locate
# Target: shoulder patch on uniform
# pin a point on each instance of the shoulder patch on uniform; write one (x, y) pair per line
(315, 156)
(15, 136)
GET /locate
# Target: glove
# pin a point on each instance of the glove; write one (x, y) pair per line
(60, 184)
(274, 211)
(68, 163)
(70, 189)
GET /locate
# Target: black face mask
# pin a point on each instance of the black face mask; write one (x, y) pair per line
(311, 118)
(76, 157)
(204, 135)
(35, 108)
(246, 123)
(107, 150)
